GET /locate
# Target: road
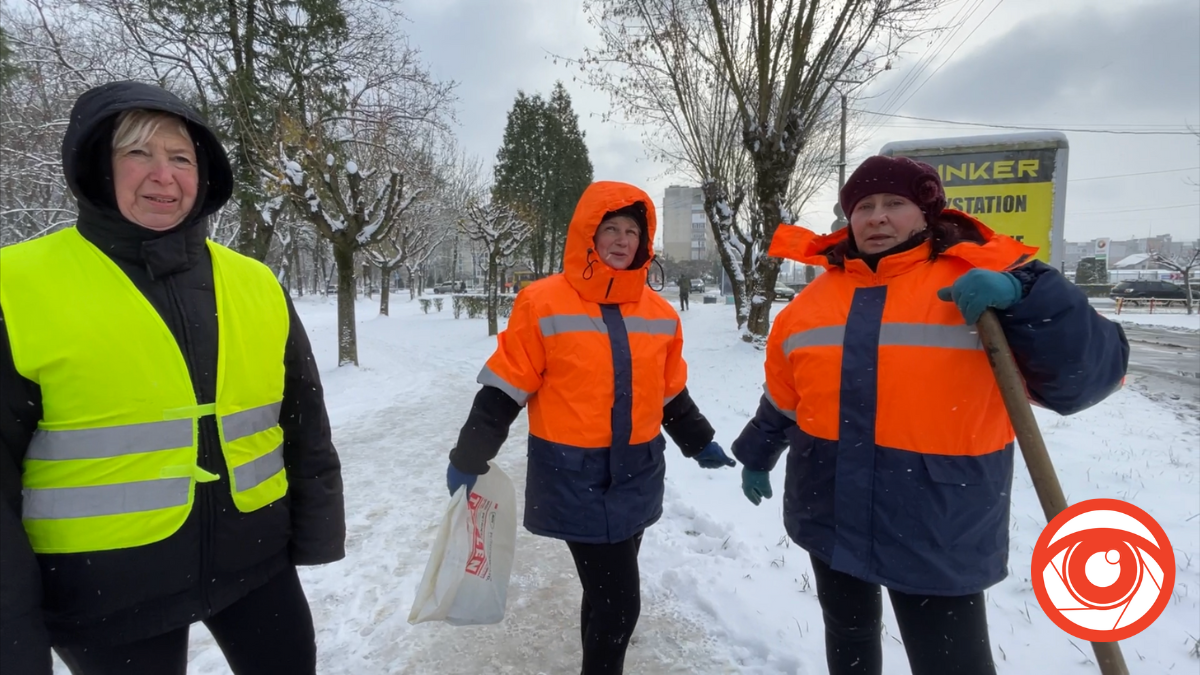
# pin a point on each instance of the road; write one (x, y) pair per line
(1165, 364)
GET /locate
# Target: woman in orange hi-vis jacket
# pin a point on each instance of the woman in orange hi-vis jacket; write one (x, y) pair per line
(901, 459)
(598, 357)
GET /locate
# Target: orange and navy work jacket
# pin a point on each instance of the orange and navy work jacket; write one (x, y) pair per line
(901, 454)
(595, 354)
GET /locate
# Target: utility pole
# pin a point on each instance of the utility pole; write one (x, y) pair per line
(842, 161)
(842, 220)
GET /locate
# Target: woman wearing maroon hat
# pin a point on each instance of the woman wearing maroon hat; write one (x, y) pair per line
(901, 456)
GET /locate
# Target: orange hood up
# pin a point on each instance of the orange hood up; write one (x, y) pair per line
(594, 280)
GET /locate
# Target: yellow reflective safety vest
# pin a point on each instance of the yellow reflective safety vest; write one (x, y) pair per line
(113, 463)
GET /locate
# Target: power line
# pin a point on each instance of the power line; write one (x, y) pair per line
(949, 58)
(1030, 128)
(934, 52)
(1125, 175)
(1137, 210)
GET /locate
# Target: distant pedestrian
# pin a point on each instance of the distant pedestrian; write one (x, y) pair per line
(685, 287)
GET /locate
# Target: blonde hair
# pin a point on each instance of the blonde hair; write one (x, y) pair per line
(135, 127)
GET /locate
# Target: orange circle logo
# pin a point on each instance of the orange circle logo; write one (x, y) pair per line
(1103, 570)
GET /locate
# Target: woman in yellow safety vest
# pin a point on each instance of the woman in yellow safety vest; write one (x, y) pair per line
(165, 455)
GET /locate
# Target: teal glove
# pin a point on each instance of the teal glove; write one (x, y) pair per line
(977, 290)
(756, 485)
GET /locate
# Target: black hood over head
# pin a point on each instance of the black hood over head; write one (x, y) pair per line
(87, 167)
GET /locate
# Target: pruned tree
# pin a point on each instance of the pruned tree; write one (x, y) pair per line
(344, 153)
(738, 91)
(499, 230)
(387, 254)
(351, 208)
(1184, 263)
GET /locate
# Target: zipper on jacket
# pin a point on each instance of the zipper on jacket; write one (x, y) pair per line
(203, 504)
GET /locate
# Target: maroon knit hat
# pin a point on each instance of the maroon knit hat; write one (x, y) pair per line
(902, 176)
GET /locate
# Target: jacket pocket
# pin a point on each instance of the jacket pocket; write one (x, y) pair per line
(564, 491)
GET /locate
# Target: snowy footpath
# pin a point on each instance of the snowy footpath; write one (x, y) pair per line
(724, 591)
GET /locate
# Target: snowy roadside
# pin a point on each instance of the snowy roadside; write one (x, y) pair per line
(1173, 317)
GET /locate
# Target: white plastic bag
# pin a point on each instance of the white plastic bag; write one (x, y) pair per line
(466, 579)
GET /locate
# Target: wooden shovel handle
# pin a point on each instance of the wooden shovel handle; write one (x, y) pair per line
(1033, 449)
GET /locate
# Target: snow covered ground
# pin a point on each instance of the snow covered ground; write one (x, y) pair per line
(1176, 320)
(1171, 317)
(724, 591)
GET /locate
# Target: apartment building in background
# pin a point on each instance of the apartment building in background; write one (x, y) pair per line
(685, 230)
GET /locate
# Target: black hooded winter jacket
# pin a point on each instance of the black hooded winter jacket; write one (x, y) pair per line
(220, 554)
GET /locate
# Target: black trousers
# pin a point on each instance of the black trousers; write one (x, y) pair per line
(943, 635)
(267, 632)
(612, 601)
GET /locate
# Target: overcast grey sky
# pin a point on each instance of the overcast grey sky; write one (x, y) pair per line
(1069, 63)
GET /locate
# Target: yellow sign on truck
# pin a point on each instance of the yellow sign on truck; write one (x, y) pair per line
(1015, 183)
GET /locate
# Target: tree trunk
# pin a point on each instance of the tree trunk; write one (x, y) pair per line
(770, 187)
(493, 297)
(537, 246)
(385, 285)
(412, 283)
(296, 267)
(367, 280)
(343, 257)
(723, 221)
(1187, 289)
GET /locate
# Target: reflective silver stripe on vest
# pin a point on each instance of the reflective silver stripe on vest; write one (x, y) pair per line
(929, 335)
(825, 336)
(252, 474)
(106, 442)
(104, 500)
(892, 335)
(249, 422)
(489, 378)
(790, 414)
(571, 323)
(636, 324)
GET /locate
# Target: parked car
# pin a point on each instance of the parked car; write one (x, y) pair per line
(782, 292)
(446, 287)
(697, 285)
(1148, 288)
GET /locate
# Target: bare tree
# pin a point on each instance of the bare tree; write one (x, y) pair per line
(1184, 264)
(57, 53)
(499, 231)
(387, 255)
(351, 208)
(754, 75)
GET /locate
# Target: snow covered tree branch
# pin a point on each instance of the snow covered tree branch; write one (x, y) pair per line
(500, 231)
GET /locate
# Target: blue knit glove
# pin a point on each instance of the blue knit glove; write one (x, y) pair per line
(756, 485)
(456, 479)
(977, 290)
(713, 457)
